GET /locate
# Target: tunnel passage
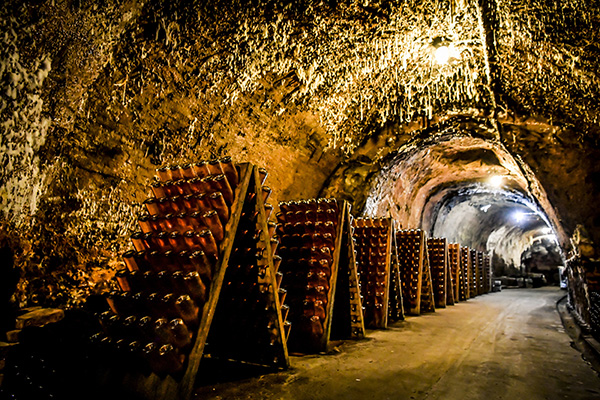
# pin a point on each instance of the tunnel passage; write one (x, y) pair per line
(471, 191)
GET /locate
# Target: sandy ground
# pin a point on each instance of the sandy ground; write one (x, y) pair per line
(507, 345)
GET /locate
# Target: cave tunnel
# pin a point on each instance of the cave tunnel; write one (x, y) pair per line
(472, 122)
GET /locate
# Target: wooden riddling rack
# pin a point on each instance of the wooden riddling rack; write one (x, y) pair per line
(475, 273)
(202, 268)
(319, 273)
(454, 261)
(487, 273)
(440, 276)
(413, 263)
(378, 271)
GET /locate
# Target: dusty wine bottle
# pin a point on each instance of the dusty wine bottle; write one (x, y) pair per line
(157, 189)
(218, 204)
(182, 337)
(221, 185)
(195, 287)
(187, 310)
(230, 170)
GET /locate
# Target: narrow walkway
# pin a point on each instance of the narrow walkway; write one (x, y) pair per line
(507, 345)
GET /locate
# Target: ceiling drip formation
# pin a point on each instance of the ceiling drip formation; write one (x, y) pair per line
(546, 60)
(356, 64)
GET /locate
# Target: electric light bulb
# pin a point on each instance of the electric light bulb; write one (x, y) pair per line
(442, 54)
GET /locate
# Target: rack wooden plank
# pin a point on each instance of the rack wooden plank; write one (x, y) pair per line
(153, 385)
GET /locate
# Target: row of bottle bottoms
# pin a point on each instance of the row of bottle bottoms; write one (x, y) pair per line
(156, 304)
(157, 344)
(195, 203)
(372, 261)
(203, 169)
(372, 241)
(379, 224)
(308, 217)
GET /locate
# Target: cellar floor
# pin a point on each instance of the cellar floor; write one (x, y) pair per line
(507, 345)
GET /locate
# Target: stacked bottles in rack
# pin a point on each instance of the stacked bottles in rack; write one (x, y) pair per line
(246, 326)
(156, 312)
(465, 263)
(455, 269)
(474, 272)
(410, 262)
(308, 231)
(487, 273)
(438, 250)
(373, 260)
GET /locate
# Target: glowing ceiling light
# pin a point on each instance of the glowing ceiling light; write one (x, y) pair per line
(496, 181)
(443, 50)
(518, 216)
(442, 55)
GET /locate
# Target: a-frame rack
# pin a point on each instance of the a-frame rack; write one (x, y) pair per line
(438, 260)
(229, 204)
(379, 277)
(465, 263)
(319, 268)
(487, 273)
(413, 263)
(450, 299)
(427, 296)
(454, 262)
(396, 303)
(475, 278)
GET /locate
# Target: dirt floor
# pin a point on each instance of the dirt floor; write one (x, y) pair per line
(507, 345)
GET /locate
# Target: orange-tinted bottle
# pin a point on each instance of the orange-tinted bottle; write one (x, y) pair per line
(201, 169)
(144, 223)
(158, 189)
(262, 175)
(266, 192)
(212, 221)
(187, 310)
(201, 264)
(214, 167)
(182, 337)
(208, 243)
(163, 173)
(220, 184)
(169, 359)
(187, 171)
(192, 240)
(230, 170)
(195, 287)
(218, 204)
